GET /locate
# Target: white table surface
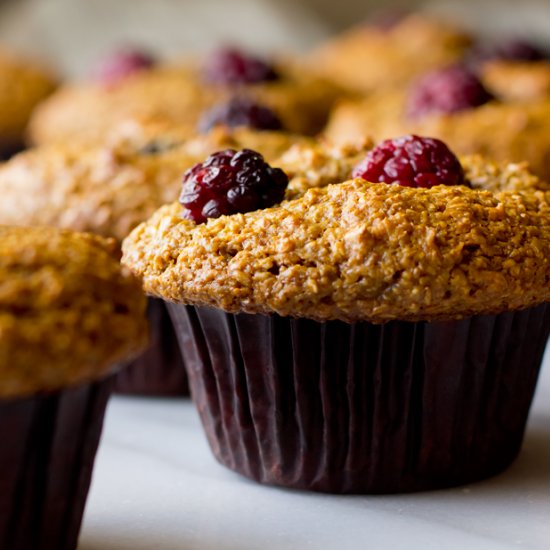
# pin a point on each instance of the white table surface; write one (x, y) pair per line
(156, 486)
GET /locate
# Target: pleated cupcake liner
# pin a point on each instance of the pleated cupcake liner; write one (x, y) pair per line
(47, 453)
(159, 371)
(363, 408)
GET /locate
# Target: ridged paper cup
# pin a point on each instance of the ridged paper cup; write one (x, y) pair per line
(49, 443)
(159, 371)
(363, 408)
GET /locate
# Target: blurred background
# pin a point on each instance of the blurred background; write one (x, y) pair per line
(74, 33)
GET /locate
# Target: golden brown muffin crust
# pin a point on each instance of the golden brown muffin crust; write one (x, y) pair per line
(368, 58)
(319, 163)
(88, 112)
(505, 131)
(358, 251)
(68, 312)
(109, 190)
(516, 80)
(22, 86)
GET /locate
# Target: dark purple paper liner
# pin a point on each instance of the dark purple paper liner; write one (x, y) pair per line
(159, 371)
(47, 451)
(363, 408)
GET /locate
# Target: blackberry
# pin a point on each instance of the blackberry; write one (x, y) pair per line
(446, 90)
(512, 49)
(228, 182)
(232, 66)
(240, 111)
(121, 64)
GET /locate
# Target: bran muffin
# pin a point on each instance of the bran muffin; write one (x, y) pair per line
(513, 68)
(371, 57)
(516, 80)
(87, 111)
(362, 337)
(502, 129)
(23, 85)
(110, 189)
(68, 315)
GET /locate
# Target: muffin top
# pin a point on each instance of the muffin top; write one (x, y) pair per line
(109, 189)
(68, 312)
(361, 251)
(22, 85)
(517, 80)
(499, 129)
(372, 56)
(88, 111)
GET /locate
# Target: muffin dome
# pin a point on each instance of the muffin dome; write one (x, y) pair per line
(88, 111)
(278, 311)
(371, 57)
(502, 130)
(359, 251)
(22, 86)
(517, 80)
(109, 189)
(68, 313)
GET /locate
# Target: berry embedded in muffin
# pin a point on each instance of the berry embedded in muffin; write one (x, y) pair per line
(411, 161)
(240, 111)
(233, 66)
(228, 182)
(447, 90)
(387, 18)
(283, 305)
(510, 49)
(119, 65)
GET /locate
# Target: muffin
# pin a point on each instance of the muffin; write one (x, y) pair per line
(512, 68)
(183, 93)
(517, 81)
(362, 337)
(455, 106)
(108, 190)
(375, 56)
(68, 315)
(24, 85)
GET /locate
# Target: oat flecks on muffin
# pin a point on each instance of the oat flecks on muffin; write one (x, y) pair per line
(356, 251)
(68, 312)
(108, 190)
(316, 164)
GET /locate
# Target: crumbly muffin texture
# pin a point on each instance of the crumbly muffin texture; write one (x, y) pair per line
(361, 251)
(22, 86)
(109, 189)
(501, 130)
(318, 163)
(68, 312)
(87, 112)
